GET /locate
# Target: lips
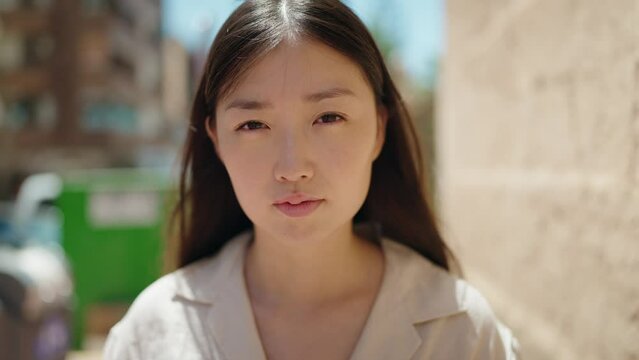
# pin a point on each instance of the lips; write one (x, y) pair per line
(298, 205)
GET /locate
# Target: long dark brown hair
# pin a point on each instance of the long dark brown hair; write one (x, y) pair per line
(208, 213)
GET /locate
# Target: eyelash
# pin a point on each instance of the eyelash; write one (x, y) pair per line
(243, 127)
(340, 117)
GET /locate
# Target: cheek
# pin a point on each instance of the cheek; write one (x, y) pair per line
(246, 171)
(357, 145)
(348, 158)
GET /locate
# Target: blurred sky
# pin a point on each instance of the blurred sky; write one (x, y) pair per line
(415, 25)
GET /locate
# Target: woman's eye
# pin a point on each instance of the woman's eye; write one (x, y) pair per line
(330, 118)
(251, 125)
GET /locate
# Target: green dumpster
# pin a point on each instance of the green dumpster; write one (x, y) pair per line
(112, 231)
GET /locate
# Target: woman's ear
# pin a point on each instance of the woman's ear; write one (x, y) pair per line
(382, 120)
(212, 134)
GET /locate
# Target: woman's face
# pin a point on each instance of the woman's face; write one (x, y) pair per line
(302, 124)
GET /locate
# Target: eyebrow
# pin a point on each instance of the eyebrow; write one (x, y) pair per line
(328, 94)
(245, 104)
(249, 104)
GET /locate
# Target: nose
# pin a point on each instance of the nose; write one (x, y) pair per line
(293, 163)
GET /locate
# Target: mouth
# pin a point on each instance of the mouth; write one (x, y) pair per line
(298, 204)
(300, 209)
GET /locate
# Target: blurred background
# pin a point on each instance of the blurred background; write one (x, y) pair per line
(528, 113)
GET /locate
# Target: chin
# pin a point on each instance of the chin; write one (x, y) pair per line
(300, 230)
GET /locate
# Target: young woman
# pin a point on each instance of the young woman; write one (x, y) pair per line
(305, 233)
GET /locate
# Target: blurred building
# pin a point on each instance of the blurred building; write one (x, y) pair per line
(538, 139)
(80, 84)
(176, 85)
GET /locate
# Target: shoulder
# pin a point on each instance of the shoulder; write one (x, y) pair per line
(142, 320)
(151, 318)
(492, 339)
(160, 320)
(421, 279)
(154, 296)
(457, 308)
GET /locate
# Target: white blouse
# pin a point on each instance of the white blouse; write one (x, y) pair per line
(202, 311)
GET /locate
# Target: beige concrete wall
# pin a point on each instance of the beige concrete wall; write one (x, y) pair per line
(538, 151)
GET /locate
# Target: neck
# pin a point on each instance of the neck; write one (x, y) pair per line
(311, 272)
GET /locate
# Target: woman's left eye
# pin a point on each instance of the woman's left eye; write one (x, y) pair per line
(330, 118)
(251, 125)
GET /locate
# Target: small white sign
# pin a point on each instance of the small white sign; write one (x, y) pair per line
(123, 208)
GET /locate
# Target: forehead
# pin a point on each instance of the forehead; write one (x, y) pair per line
(295, 68)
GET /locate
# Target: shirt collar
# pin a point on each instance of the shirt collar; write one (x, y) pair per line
(413, 291)
(208, 278)
(218, 282)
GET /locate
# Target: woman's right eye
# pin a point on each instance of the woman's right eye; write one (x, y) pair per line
(251, 125)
